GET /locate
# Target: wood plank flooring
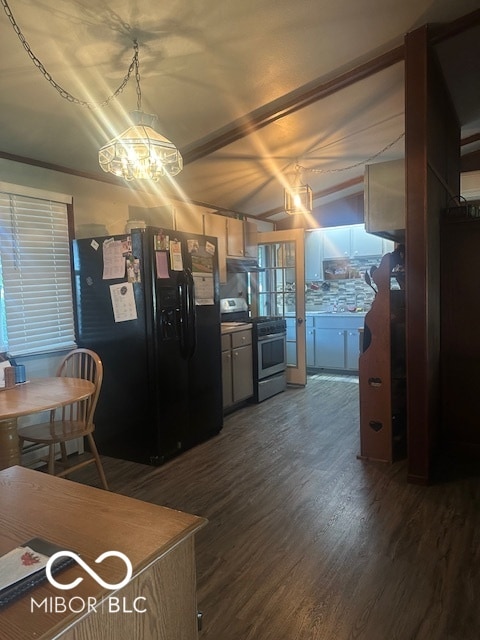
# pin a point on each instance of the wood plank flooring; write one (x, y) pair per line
(305, 541)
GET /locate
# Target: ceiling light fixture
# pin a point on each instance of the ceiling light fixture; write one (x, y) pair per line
(140, 152)
(298, 197)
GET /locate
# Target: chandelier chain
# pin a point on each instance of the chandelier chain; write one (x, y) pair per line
(137, 79)
(300, 167)
(63, 92)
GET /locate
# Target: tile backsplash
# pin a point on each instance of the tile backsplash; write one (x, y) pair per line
(321, 295)
(330, 295)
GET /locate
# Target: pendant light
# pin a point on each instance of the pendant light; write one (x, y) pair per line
(298, 197)
(140, 152)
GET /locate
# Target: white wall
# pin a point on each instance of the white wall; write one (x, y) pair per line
(93, 202)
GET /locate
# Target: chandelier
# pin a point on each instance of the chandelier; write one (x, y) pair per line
(140, 152)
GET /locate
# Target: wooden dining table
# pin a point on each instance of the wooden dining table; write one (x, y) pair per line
(34, 396)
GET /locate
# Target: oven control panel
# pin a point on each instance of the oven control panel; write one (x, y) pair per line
(269, 326)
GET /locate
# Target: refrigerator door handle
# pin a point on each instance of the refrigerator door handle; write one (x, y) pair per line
(191, 313)
(187, 322)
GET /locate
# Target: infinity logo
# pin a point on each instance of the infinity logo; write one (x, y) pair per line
(91, 572)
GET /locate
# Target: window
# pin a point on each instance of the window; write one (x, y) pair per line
(36, 305)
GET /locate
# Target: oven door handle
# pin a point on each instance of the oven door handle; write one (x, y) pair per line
(272, 336)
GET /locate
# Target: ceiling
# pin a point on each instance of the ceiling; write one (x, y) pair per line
(246, 90)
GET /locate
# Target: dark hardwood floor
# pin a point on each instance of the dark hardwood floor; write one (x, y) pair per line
(305, 541)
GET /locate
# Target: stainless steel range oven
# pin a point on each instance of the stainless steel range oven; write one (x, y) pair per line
(269, 343)
(269, 357)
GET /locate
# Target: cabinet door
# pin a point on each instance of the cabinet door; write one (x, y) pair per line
(313, 255)
(336, 242)
(330, 348)
(242, 372)
(310, 346)
(291, 341)
(235, 239)
(352, 352)
(216, 226)
(227, 383)
(251, 244)
(365, 244)
(385, 197)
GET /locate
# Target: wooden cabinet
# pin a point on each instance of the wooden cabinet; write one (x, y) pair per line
(241, 238)
(237, 367)
(158, 542)
(251, 242)
(385, 199)
(216, 226)
(460, 362)
(382, 375)
(227, 375)
(235, 238)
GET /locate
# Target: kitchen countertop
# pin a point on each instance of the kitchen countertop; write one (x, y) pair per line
(332, 314)
(345, 314)
(230, 327)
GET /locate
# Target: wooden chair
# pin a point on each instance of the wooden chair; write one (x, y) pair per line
(73, 421)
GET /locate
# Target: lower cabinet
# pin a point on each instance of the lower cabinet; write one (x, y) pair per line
(352, 349)
(333, 342)
(237, 367)
(310, 341)
(329, 348)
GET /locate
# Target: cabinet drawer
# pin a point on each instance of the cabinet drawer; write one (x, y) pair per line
(339, 322)
(241, 338)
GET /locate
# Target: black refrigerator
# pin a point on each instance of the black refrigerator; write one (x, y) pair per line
(148, 303)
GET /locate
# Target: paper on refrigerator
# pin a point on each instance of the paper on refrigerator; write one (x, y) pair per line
(123, 302)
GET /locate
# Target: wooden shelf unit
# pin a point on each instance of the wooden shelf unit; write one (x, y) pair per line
(382, 377)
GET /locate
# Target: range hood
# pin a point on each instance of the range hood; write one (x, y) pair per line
(242, 265)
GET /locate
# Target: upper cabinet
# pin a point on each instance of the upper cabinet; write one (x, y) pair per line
(235, 238)
(385, 200)
(365, 244)
(336, 242)
(216, 226)
(314, 255)
(340, 242)
(352, 242)
(251, 239)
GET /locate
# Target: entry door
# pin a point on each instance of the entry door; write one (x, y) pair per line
(280, 291)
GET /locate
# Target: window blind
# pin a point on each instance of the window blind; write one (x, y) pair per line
(36, 277)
